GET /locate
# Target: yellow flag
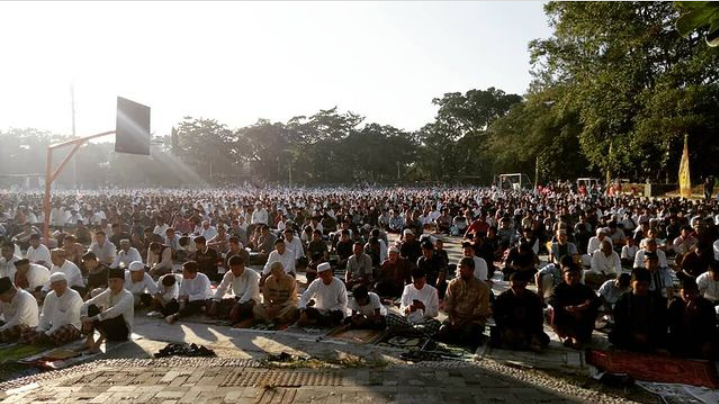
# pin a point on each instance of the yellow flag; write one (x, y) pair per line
(685, 184)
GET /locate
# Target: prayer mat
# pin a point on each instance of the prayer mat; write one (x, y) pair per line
(656, 368)
(358, 336)
(21, 351)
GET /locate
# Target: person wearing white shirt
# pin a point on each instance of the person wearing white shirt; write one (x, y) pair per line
(280, 254)
(259, 215)
(57, 216)
(18, 309)
(294, 243)
(330, 297)
(38, 253)
(651, 246)
(110, 313)
(194, 292)
(104, 250)
(419, 306)
(126, 256)
(140, 284)
(7, 260)
(60, 319)
(480, 265)
(159, 259)
(605, 265)
(595, 243)
(31, 277)
(367, 309)
(207, 231)
(71, 271)
(708, 283)
(166, 298)
(244, 285)
(629, 252)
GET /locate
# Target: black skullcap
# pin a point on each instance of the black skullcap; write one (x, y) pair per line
(116, 273)
(5, 284)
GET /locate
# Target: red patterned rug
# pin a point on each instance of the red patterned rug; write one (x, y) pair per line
(656, 368)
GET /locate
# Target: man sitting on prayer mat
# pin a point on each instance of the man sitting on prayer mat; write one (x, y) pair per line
(367, 309)
(110, 313)
(244, 283)
(692, 324)
(280, 297)
(640, 317)
(140, 284)
(18, 309)
(330, 300)
(420, 307)
(575, 308)
(60, 320)
(467, 304)
(194, 292)
(519, 317)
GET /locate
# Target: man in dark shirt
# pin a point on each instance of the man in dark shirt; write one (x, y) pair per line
(318, 246)
(206, 259)
(410, 249)
(433, 265)
(692, 324)
(393, 275)
(575, 308)
(117, 235)
(639, 317)
(344, 249)
(486, 252)
(519, 316)
(520, 259)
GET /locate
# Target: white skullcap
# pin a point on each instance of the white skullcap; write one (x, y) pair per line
(57, 277)
(137, 266)
(393, 249)
(408, 231)
(325, 266)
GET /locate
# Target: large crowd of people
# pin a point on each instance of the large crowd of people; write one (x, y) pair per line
(643, 269)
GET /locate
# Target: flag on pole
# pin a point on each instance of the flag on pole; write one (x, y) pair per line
(685, 184)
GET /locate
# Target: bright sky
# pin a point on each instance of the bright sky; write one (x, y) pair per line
(239, 61)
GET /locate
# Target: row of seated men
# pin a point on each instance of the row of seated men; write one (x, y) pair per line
(643, 320)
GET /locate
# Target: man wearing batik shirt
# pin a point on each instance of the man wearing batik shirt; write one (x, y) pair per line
(60, 320)
(467, 303)
(18, 309)
(279, 294)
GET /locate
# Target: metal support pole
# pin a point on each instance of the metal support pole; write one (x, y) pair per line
(51, 175)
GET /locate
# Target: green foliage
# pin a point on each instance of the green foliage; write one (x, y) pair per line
(697, 15)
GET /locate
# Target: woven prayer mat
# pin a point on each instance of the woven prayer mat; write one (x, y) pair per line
(656, 368)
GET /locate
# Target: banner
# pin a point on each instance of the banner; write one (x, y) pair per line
(685, 184)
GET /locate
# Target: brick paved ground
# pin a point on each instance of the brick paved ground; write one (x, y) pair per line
(195, 384)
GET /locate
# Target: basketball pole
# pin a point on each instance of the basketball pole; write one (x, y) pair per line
(51, 175)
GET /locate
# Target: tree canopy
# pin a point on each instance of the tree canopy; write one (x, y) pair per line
(616, 87)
